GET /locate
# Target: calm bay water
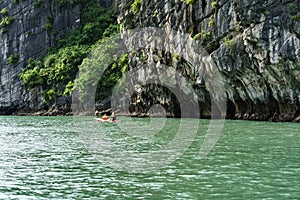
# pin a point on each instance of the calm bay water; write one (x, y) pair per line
(45, 158)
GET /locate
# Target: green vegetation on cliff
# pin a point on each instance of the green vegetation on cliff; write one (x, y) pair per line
(12, 59)
(189, 2)
(4, 11)
(6, 20)
(56, 72)
(136, 6)
(101, 71)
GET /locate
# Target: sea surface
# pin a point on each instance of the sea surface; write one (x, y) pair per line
(79, 158)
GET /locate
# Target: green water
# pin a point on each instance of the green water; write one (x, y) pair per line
(48, 158)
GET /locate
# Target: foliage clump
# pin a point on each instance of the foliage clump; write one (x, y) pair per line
(37, 3)
(6, 21)
(4, 11)
(12, 59)
(214, 5)
(136, 6)
(56, 72)
(202, 36)
(189, 2)
(49, 23)
(101, 70)
(296, 18)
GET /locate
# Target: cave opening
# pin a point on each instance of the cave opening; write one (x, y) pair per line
(154, 95)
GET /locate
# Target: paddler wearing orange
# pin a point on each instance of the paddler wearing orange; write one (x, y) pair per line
(105, 117)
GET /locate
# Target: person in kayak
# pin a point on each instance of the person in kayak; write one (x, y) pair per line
(113, 117)
(105, 117)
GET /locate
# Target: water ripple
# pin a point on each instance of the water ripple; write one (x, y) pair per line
(43, 158)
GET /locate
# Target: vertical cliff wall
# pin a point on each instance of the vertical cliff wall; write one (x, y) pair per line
(28, 29)
(254, 44)
(33, 28)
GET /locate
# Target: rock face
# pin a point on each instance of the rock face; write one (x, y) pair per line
(255, 45)
(27, 30)
(34, 27)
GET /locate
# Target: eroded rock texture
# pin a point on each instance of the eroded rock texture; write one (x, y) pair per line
(28, 35)
(254, 44)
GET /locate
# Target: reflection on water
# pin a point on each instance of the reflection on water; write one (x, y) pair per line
(43, 158)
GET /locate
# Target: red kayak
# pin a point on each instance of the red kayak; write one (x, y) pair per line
(105, 120)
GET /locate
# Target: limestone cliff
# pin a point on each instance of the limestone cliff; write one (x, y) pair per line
(28, 29)
(254, 44)
(33, 28)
